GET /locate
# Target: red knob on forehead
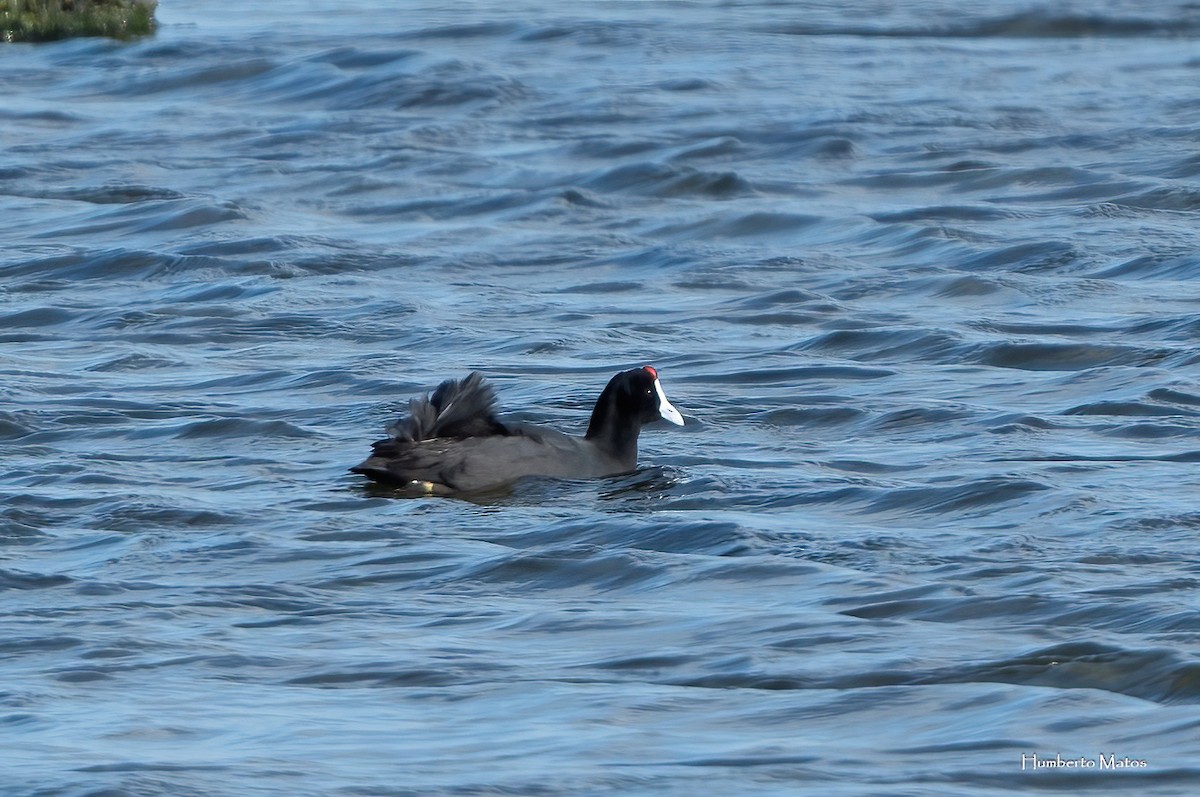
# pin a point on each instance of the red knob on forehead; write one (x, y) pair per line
(650, 368)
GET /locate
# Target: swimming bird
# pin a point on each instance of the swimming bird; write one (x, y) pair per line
(452, 441)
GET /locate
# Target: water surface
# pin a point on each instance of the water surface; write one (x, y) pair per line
(920, 277)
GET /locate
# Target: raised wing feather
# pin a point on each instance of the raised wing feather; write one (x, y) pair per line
(458, 409)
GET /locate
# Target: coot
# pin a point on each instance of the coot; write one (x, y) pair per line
(452, 442)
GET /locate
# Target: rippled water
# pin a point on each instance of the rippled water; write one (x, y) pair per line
(920, 276)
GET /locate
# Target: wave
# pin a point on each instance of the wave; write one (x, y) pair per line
(663, 180)
(1066, 356)
(1036, 23)
(23, 580)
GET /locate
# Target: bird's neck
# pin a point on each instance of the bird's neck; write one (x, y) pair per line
(616, 436)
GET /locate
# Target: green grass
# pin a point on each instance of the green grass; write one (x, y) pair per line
(46, 20)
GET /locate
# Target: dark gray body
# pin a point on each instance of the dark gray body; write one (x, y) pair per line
(480, 463)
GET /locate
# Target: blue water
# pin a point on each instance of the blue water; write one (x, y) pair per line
(921, 278)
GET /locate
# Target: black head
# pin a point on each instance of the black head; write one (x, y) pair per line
(631, 398)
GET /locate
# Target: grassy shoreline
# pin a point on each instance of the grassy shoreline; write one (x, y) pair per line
(47, 20)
